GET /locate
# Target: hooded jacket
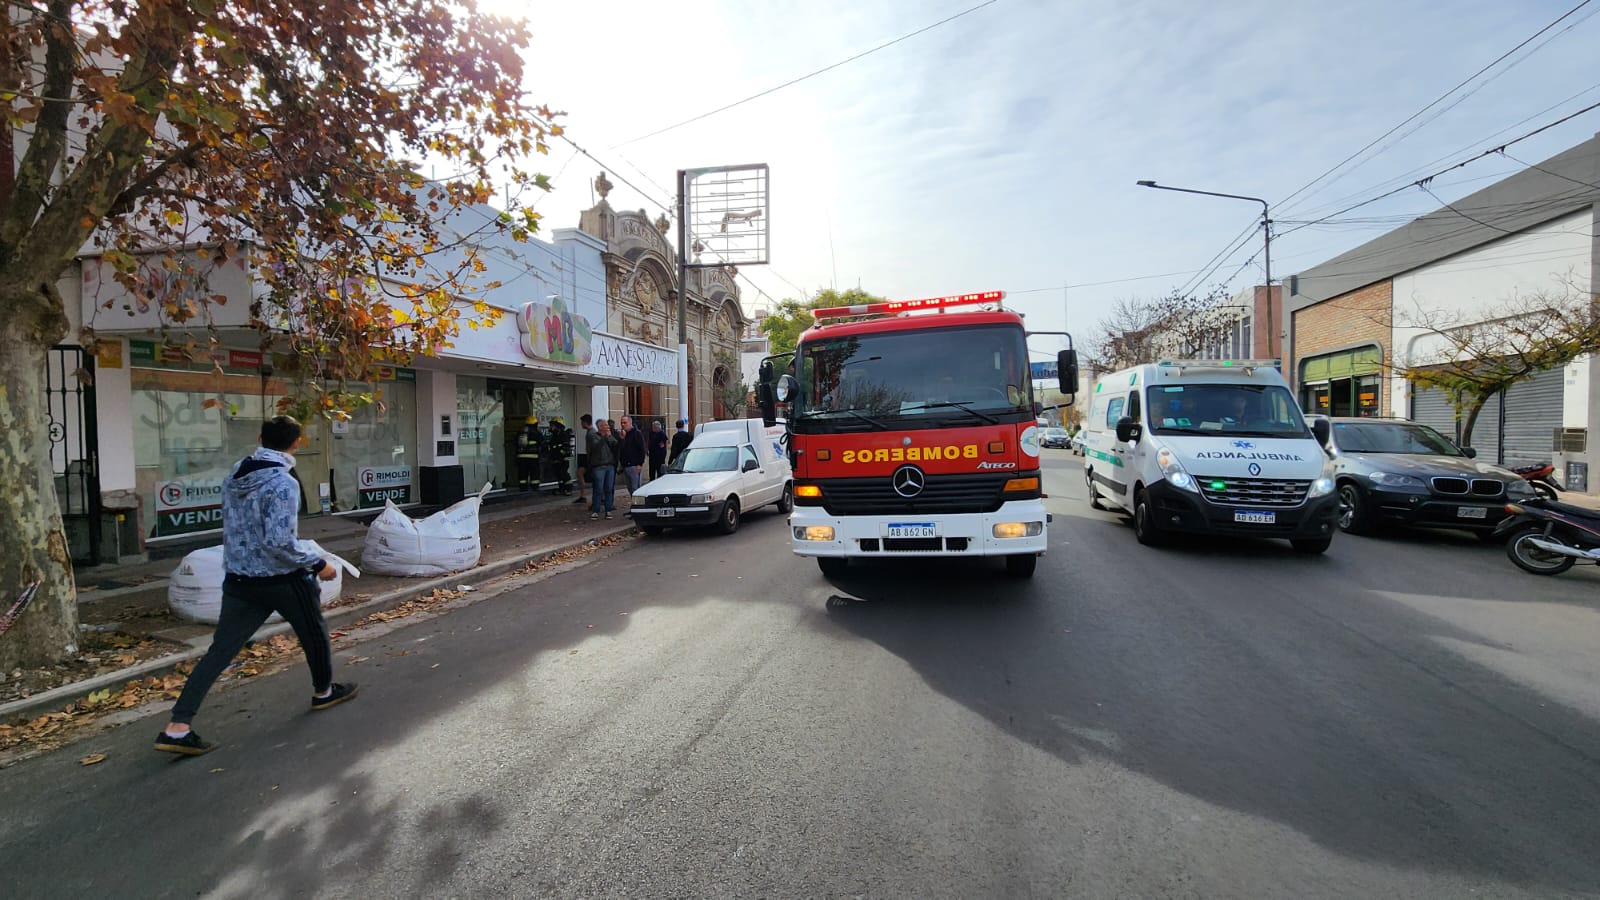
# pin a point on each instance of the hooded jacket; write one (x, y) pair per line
(260, 520)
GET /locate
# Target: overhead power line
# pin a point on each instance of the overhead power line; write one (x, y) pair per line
(795, 81)
(1441, 98)
(1422, 182)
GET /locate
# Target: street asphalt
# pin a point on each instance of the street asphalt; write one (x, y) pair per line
(1406, 716)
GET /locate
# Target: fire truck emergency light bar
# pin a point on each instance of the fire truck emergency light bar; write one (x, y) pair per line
(900, 306)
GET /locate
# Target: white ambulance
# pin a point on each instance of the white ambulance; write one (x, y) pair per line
(1212, 447)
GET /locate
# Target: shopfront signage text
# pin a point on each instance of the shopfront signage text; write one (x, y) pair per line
(380, 484)
(631, 360)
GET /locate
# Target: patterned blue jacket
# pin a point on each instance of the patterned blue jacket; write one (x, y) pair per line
(260, 519)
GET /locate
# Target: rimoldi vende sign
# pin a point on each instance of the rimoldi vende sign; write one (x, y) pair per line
(380, 484)
(184, 507)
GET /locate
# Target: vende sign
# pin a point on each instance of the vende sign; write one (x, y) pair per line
(184, 507)
(380, 484)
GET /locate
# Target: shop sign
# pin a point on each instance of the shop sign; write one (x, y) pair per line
(553, 333)
(154, 355)
(184, 507)
(616, 357)
(380, 484)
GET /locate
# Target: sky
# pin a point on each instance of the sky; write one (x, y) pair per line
(1000, 150)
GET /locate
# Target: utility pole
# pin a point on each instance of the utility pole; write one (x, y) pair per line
(683, 295)
(1266, 231)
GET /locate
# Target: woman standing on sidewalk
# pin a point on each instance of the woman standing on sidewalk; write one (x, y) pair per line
(603, 469)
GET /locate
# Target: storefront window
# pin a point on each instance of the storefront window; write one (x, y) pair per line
(373, 455)
(1367, 396)
(480, 440)
(189, 428)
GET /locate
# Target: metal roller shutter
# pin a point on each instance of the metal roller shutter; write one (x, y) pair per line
(1432, 407)
(1533, 413)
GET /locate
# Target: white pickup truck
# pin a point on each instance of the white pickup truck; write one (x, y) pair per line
(728, 469)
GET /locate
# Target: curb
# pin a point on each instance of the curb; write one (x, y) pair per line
(56, 697)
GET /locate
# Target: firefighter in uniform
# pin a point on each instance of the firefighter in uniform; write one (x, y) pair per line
(530, 447)
(558, 454)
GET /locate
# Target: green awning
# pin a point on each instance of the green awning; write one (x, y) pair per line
(1344, 364)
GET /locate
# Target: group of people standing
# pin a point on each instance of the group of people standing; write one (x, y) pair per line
(612, 446)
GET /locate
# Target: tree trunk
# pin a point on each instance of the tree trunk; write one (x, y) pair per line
(35, 543)
(1478, 402)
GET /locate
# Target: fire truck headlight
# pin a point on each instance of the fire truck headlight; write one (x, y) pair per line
(807, 490)
(814, 533)
(1018, 529)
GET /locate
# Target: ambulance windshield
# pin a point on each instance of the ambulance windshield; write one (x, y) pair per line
(914, 379)
(1238, 410)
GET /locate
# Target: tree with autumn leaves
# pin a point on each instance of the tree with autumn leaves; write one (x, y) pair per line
(287, 137)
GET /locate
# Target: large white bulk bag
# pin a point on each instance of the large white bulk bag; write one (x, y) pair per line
(195, 592)
(444, 542)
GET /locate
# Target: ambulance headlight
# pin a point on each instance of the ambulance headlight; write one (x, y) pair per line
(1324, 485)
(1174, 472)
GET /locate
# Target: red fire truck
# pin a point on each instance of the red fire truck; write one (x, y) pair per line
(913, 432)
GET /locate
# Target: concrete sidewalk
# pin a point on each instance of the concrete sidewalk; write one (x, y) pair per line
(132, 599)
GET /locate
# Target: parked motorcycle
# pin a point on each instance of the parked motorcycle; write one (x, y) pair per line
(1542, 477)
(1546, 537)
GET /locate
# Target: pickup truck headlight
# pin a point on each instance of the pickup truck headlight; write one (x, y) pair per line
(701, 499)
(1174, 471)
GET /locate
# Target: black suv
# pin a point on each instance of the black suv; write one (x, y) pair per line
(1391, 470)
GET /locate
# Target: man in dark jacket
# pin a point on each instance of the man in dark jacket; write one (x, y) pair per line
(633, 453)
(658, 448)
(266, 573)
(680, 440)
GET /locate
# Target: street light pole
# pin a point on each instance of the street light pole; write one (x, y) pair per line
(1266, 250)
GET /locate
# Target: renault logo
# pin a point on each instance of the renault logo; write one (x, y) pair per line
(908, 481)
(1255, 468)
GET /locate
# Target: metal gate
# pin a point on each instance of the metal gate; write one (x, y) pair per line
(1515, 427)
(1432, 407)
(1533, 412)
(74, 448)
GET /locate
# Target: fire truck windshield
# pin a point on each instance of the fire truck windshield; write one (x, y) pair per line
(932, 378)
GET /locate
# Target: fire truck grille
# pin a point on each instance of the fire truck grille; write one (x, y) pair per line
(978, 493)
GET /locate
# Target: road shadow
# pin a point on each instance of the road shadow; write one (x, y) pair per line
(1418, 760)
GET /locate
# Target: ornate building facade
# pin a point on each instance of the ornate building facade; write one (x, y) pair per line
(642, 282)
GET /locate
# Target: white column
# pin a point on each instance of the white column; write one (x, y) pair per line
(113, 398)
(436, 402)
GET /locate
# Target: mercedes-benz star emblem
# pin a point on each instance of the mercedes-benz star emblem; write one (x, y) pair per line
(908, 481)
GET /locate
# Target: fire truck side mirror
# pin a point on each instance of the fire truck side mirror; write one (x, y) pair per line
(766, 399)
(1067, 371)
(764, 374)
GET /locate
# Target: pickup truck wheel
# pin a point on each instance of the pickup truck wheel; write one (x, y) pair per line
(833, 566)
(1021, 565)
(729, 521)
(786, 502)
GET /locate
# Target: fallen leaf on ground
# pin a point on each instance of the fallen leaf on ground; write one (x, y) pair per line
(434, 666)
(92, 758)
(356, 659)
(215, 771)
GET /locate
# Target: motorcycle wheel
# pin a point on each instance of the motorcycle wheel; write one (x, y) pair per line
(1545, 491)
(1530, 558)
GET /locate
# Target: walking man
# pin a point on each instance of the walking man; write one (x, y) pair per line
(632, 453)
(680, 440)
(658, 448)
(266, 573)
(603, 470)
(586, 422)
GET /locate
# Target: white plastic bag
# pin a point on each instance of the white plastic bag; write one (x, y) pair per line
(444, 542)
(195, 592)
